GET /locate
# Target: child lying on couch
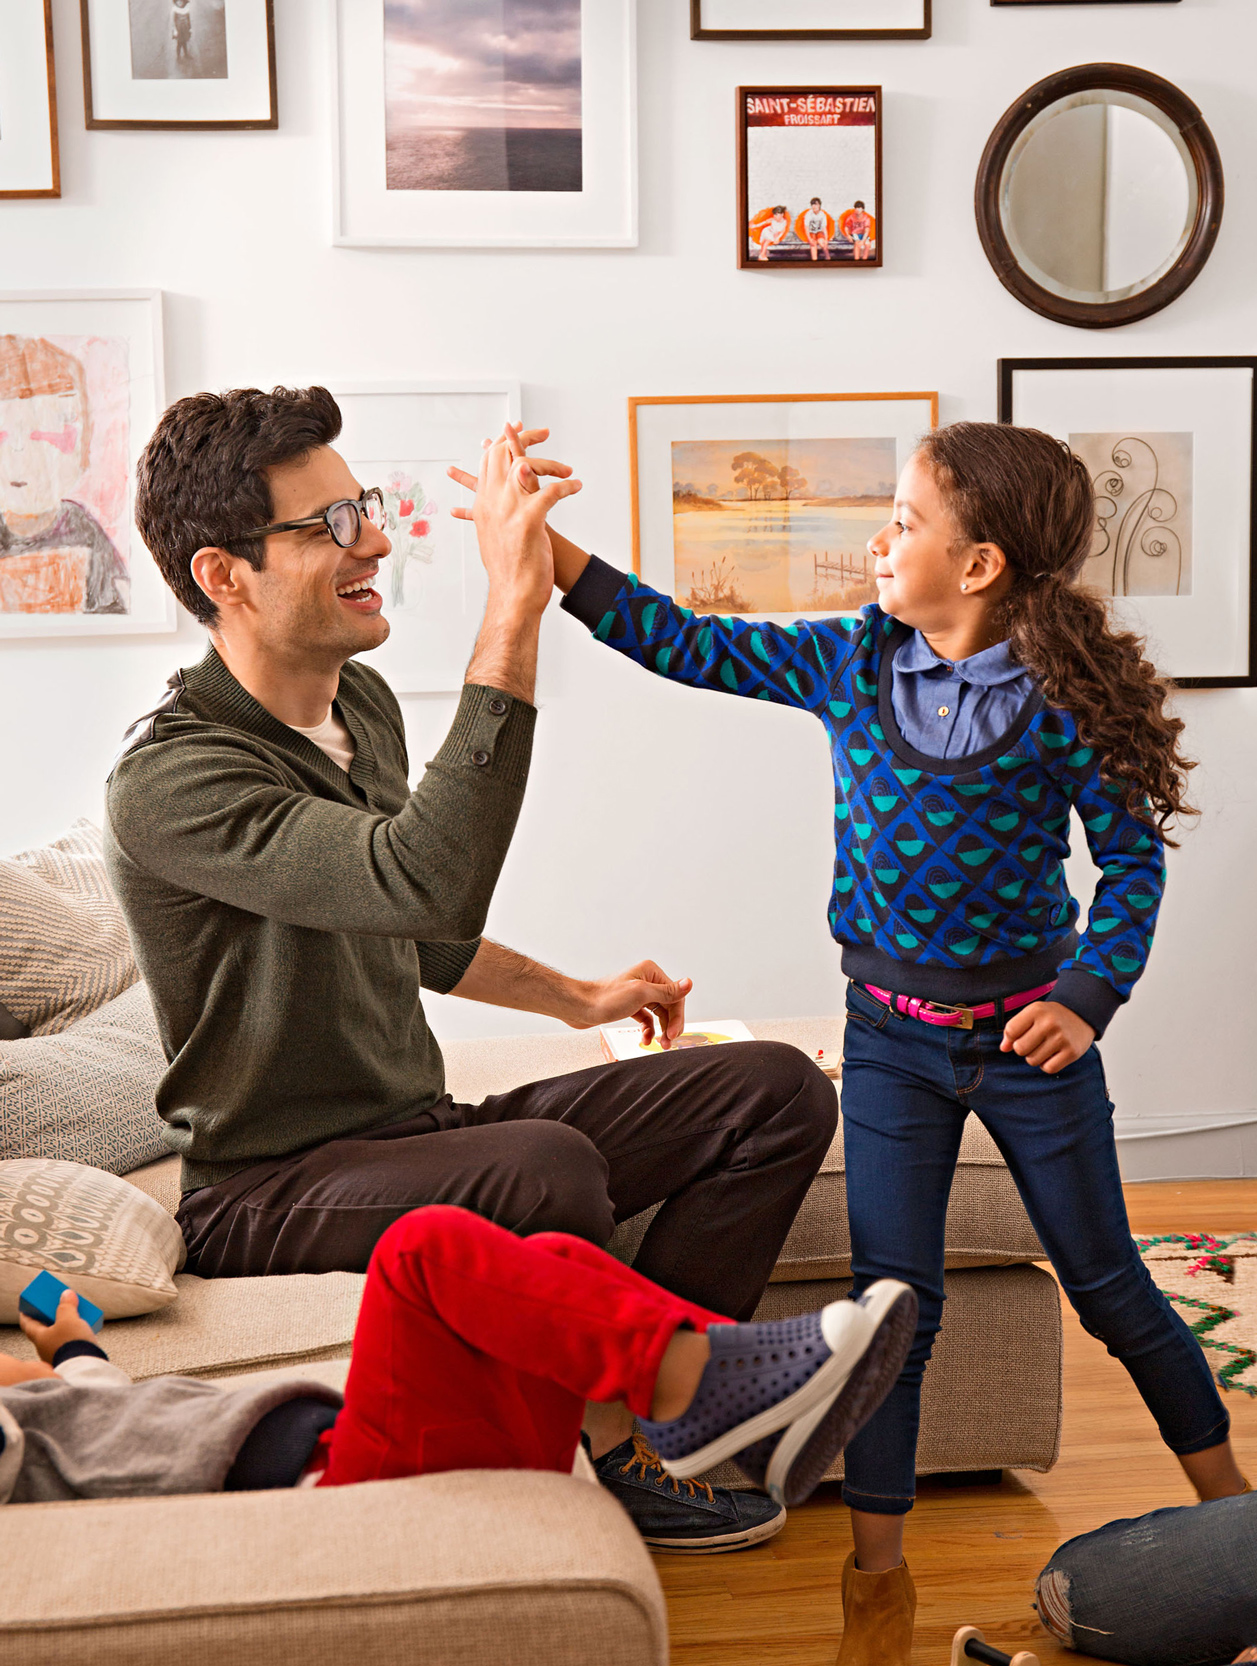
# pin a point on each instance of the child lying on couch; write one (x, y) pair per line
(474, 1349)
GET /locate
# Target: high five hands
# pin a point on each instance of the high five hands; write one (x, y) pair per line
(1047, 1035)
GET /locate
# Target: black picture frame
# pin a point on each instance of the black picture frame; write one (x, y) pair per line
(1008, 369)
(698, 32)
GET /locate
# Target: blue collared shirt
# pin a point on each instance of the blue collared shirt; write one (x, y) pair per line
(948, 710)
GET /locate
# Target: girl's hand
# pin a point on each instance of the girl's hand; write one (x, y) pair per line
(67, 1327)
(1047, 1035)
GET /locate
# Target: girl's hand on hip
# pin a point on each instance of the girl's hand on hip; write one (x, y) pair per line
(1047, 1035)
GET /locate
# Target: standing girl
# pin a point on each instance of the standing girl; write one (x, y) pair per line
(981, 700)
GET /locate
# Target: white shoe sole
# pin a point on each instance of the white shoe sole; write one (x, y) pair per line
(741, 1539)
(849, 1329)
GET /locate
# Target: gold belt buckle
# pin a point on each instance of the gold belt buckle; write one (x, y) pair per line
(965, 1014)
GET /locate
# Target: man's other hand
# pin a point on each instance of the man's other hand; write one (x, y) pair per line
(644, 992)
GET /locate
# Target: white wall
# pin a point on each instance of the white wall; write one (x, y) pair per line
(686, 827)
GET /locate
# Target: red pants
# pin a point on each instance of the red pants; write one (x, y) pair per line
(477, 1350)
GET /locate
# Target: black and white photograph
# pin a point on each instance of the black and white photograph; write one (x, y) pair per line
(178, 40)
(182, 65)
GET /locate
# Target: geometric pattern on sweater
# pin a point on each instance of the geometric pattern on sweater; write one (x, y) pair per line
(953, 865)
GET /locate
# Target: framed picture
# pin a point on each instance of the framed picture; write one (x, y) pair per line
(454, 130)
(764, 504)
(810, 19)
(1169, 444)
(1083, 2)
(402, 438)
(81, 388)
(809, 178)
(191, 64)
(30, 164)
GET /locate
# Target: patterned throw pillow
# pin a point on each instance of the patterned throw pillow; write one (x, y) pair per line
(98, 1234)
(86, 1095)
(64, 949)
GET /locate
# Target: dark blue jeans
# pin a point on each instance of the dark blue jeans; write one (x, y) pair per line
(906, 1089)
(1175, 1588)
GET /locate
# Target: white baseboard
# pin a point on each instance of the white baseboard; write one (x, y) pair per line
(1172, 1148)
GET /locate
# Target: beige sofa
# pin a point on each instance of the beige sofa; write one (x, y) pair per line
(480, 1567)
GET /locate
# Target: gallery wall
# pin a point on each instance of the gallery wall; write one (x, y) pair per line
(660, 823)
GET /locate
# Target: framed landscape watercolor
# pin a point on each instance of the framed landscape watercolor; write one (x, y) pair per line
(810, 19)
(29, 159)
(187, 64)
(809, 178)
(485, 123)
(1169, 444)
(402, 438)
(762, 504)
(81, 388)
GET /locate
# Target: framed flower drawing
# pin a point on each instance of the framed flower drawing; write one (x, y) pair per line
(402, 438)
(29, 159)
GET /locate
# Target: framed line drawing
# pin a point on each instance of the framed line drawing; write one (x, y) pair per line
(30, 161)
(491, 132)
(190, 65)
(810, 19)
(81, 388)
(764, 504)
(809, 178)
(1170, 447)
(402, 437)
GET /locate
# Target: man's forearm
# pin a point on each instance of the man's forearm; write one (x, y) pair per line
(505, 655)
(503, 978)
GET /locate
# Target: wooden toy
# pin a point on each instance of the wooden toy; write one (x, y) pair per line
(969, 1644)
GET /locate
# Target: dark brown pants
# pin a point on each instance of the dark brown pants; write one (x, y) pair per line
(727, 1141)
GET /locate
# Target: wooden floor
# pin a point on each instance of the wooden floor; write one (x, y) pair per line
(973, 1551)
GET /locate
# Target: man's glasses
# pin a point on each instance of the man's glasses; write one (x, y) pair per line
(342, 519)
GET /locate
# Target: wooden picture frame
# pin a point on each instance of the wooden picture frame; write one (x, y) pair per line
(1084, 2)
(1210, 403)
(838, 179)
(922, 31)
(118, 101)
(40, 123)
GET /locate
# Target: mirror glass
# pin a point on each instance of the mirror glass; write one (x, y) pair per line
(1098, 197)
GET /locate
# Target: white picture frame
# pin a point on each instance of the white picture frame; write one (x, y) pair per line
(602, 214)
(434, 585)
(114, 337)
(804, 20)
(29, 157)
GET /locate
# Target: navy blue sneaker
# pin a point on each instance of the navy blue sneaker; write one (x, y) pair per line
(783, 1398)
(689, 1517)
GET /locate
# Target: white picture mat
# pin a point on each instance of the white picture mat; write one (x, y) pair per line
(244, 96)
(904, 420)
(1204, 634)
(136, 315)
(25, 108)
(435, 423)
(603, 214)
(813, 14)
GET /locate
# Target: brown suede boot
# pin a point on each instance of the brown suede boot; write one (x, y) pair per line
(878, 1610)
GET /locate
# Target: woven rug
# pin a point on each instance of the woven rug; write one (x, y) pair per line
(1213, 1285)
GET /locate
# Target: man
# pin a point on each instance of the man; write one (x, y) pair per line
(288, 896)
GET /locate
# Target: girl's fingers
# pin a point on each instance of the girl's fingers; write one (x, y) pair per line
(557, 490)
(463, 478)
(462, 514)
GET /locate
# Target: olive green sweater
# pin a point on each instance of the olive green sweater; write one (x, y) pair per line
(285, 914)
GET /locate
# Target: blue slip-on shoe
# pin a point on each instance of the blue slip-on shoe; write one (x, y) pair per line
(783, 1397)
(686, 1517)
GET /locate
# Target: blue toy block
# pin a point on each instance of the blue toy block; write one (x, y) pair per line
(40, 1298)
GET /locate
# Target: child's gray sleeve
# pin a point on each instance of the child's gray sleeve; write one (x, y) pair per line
(87, 1366)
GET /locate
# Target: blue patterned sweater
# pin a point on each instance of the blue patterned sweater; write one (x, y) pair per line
(948, 881)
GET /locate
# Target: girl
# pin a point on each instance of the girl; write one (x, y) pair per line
(978, 703)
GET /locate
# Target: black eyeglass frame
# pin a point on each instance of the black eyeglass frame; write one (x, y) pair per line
(373, 494)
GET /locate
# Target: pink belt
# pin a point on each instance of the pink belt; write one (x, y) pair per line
(954, 1018)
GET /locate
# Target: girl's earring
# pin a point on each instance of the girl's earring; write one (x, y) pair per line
(964, 586)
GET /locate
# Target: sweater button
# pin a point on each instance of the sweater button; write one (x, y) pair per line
(498, 707)
(480, 759)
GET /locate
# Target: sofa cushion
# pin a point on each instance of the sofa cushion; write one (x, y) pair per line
(103, 1237)
(85, 1094)
(64, 949)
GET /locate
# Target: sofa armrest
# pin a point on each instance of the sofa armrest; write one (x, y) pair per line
(472, 1568)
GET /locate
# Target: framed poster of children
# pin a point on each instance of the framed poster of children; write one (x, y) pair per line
(810, 19)
(809, 178)
(29, 165)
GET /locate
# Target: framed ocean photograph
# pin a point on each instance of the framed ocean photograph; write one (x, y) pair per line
(402, 438)
(30, 163)
(809, 178)
(764, 505)
(810, 19)
(81, 388)
(485, 123)
(1169, 444)
(179, 64)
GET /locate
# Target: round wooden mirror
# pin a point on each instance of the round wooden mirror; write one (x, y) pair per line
(1099, 195)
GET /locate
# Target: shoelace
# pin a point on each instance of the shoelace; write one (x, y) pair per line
(652, 1469)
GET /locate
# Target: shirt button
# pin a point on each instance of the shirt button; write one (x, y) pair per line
(480, 759)
(498, 707)
(944, 711)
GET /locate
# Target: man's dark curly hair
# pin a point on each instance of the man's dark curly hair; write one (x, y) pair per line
(202, 478)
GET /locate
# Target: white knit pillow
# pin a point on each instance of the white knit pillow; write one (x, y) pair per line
(102, 1236)
(64, 949)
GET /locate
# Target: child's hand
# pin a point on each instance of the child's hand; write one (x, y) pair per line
(1047, 1035)
(67, 1327)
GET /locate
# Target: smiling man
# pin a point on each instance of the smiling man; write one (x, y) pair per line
(289, 896)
